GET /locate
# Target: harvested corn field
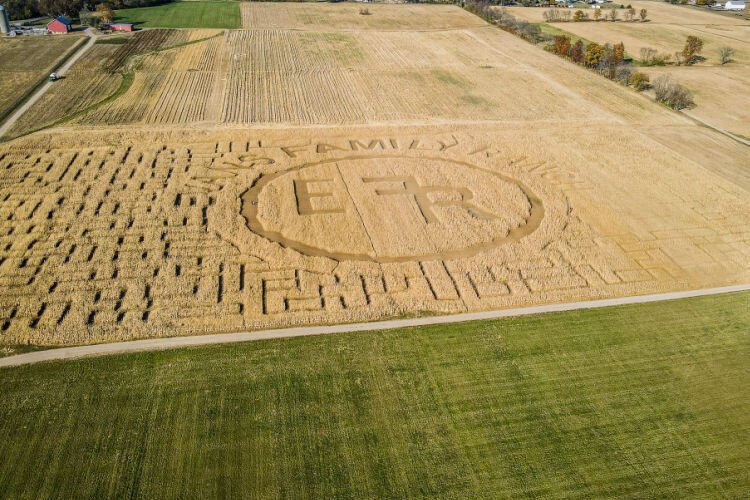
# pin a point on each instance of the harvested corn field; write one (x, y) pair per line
(356, 78)
(175, 76)
(26, 61)
(462, 72)
(346, 17)
(266, 177)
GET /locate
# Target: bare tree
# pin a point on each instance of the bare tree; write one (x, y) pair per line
(623, 74)
(661, 86)
(726, 54)
(672, 93)
(552, 15)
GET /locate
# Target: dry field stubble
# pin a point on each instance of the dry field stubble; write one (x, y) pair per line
(346, 17)
(460, 72)
(722, 93)
(24, 61)
(658, 12)
(358, 78)
(536, 182)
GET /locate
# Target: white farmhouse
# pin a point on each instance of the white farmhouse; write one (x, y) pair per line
(735, 5)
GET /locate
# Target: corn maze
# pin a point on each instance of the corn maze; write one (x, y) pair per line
(143, 238)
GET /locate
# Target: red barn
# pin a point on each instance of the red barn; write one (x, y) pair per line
(121, 27)
(59, 25)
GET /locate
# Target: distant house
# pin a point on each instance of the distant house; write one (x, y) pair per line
(735, 5)
(121, 27)
(59, 25)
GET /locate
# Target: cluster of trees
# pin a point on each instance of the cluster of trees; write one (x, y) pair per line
(697, 2)
(102, 15)
(565, 15)
(689, 55)
(651, 57)
(671, 93)
(607, 59)
(24, 9)
(486, 10)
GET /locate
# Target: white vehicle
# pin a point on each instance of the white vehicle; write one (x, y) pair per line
(53, 77)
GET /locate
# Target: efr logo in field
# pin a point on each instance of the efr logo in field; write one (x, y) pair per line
(390, 209)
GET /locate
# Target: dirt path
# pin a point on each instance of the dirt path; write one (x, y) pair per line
(40, 92)
(65, 353)
(715, 128)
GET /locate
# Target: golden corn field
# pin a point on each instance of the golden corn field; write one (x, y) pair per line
(363, 169)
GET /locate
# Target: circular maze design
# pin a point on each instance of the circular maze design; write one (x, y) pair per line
(390, 209)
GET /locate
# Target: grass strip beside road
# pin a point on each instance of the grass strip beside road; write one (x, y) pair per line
(638, 400)
(551, 30)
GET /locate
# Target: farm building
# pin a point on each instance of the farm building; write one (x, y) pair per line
(4, 22)
(121, 27)
(735, 5)
(59, 25)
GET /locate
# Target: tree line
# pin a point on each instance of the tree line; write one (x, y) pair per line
(566, 15)
(609, 61)
(25, 9)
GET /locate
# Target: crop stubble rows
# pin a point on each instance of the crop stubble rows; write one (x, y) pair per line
(293, 77)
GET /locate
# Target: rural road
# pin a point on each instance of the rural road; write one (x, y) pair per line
(225, 338)
(44, 88)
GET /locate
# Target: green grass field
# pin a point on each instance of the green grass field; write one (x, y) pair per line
(220, 15)
(551, 30)
(637, 401)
